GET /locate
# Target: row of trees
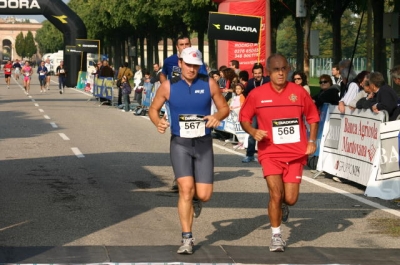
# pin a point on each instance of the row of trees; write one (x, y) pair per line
(25, 45)
(125, 23)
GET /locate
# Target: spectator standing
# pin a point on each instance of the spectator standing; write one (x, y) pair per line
(61, 72)
(283, 145)
(385, 97)
(106, 70)
(328, 93)
(258, 80)
(236, 103)
(336, 78)
(234, 64)
(231, 80)
(156, 73)
(191, 141)
(124, 70)
(126, 90)
(7, 72)
(300, 79)
(42, 71)
(360, 80)
(395, 74)
(351, 88)
(170, 67)
(244, 78)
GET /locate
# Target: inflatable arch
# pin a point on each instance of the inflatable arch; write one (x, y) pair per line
(63, 18)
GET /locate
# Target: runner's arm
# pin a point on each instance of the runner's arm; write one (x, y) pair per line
(221, 104)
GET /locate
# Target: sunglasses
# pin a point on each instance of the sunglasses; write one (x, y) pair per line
(323, 82)
(297, 79)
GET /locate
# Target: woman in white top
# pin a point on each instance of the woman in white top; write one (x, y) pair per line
(137, 78)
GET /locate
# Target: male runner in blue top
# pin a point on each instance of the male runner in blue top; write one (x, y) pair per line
(188, 98)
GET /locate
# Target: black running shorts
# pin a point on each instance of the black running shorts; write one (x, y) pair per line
(193, 157)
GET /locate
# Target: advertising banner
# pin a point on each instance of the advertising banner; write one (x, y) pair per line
(350, 144)
(232, 125)
(103, 88)
(81, 83)
(71, 49)
(247, 53)
(389, 166)
(147, 94)
(234, 27)
(89, 46)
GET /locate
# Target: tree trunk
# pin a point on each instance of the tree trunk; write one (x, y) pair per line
(274, 33)
(369, 36)
(212, 54)
(336, 32)
(156, 56)
(149, 45)
(379, 41)
(200, 40)
(141, 45)
(300, 45)
(396, 46)
(307, 27)
(165, 48)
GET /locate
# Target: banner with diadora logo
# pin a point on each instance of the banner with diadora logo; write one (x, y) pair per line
(361, 147)
(234, 27)
(63, 18)
(247, 51)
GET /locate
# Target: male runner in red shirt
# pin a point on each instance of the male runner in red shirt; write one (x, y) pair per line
(7, 72)
(283, 146)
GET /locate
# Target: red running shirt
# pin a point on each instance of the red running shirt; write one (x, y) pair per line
(281, 115)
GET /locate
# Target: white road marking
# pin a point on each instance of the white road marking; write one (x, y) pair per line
(328, 187)
(53, 124)
(46, 117)
(36, 105)
(41, 110)
(77, 152)
(12, 226)
(83, 92)
(352, 196)
(63, 136)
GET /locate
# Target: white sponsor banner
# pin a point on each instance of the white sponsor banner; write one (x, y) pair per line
(350, 143)
(360, 147)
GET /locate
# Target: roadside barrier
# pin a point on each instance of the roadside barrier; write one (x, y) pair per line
(363, 147)
(103, 89)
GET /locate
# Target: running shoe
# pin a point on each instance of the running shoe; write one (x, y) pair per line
(197, 207)
(249, 159)
(186, 247)
(60, 91)
(285, 213)
(277, 243)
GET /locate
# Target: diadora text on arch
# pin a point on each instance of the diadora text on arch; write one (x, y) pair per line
(19, 4)
(240, 28)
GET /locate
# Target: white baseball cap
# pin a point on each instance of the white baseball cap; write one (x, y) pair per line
(191, 56)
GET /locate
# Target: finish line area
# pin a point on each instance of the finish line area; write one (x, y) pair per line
(203, 255)
(130, 218)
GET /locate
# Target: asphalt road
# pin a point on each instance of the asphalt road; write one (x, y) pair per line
(83, 183)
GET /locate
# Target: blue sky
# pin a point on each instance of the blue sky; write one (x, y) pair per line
(39, 18)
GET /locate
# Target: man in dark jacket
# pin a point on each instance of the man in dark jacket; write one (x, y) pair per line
(385, 97)
(106, 70)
